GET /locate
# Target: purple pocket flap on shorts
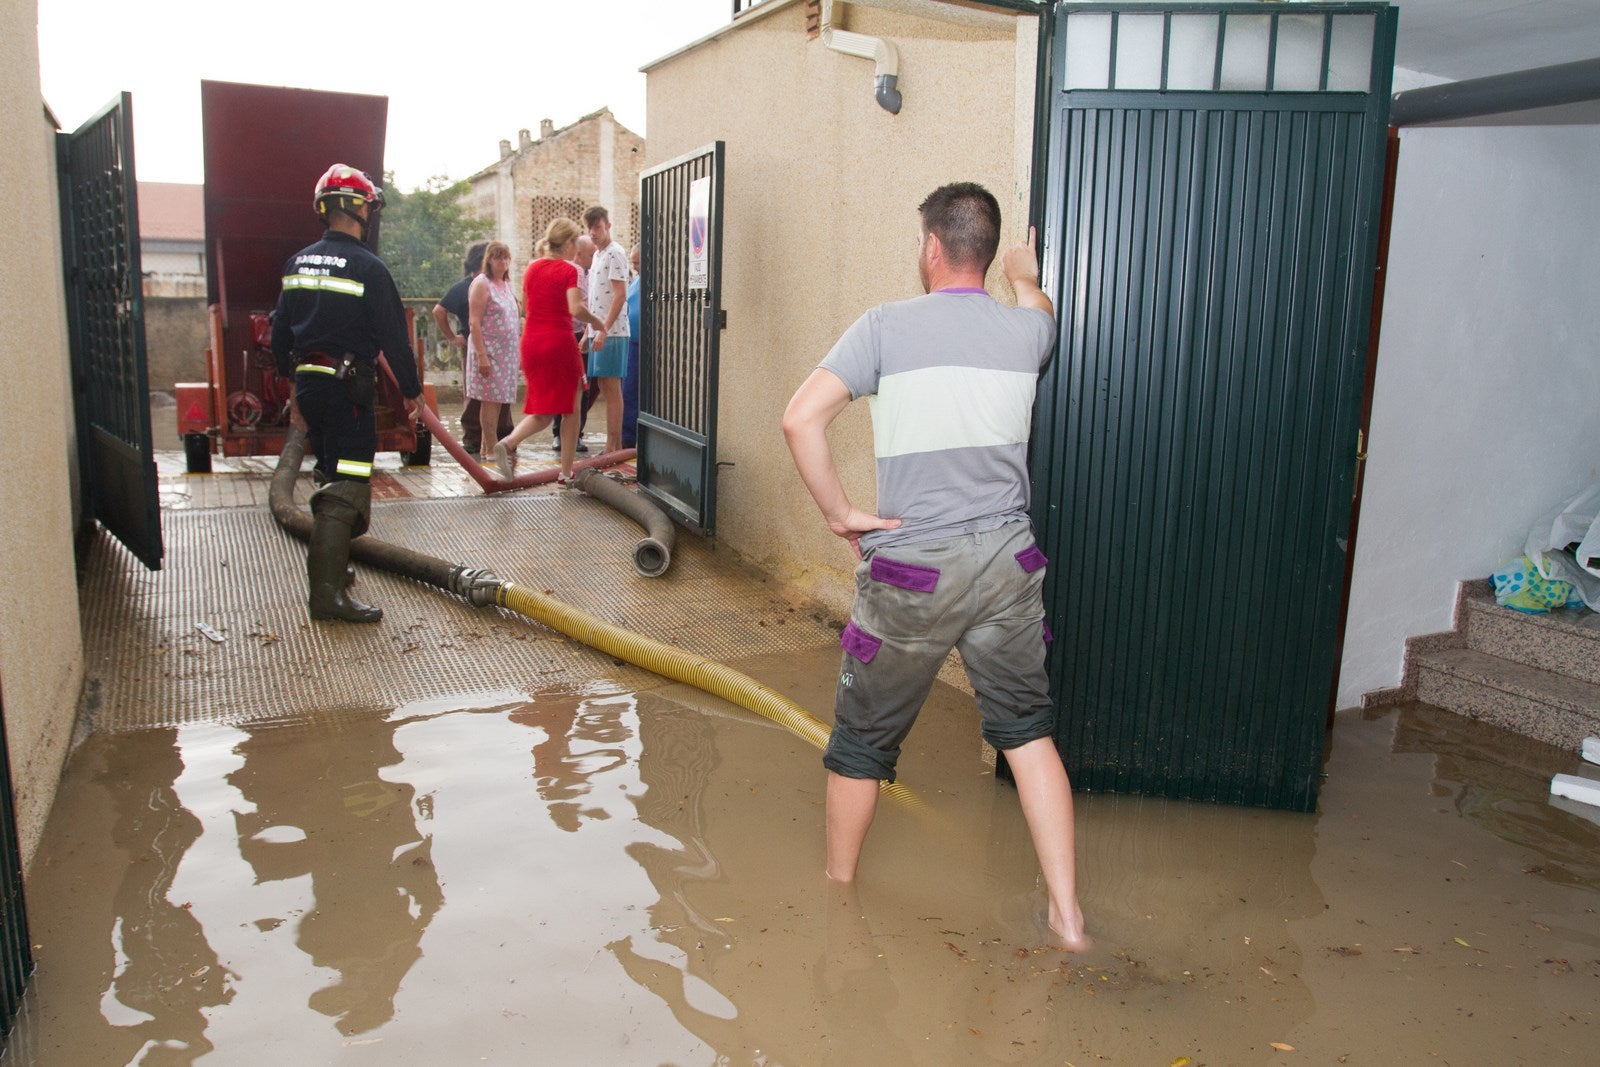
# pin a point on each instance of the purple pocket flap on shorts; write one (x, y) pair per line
(1031, 558)
(860, 644)
(1048, 636)
(904, 575)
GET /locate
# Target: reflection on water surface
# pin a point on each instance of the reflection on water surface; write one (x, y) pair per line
(620, 878)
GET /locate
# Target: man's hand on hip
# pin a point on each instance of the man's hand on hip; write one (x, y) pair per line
(857, 522)
(817, 402)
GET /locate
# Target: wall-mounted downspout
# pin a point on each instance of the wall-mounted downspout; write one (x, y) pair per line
(885, 60)
(883, 54)
(1565, 83)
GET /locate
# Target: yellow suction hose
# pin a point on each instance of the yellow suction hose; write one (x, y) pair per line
(718, 679)
(482, 588)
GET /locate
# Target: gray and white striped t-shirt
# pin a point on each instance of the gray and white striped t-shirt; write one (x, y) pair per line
(950, 378)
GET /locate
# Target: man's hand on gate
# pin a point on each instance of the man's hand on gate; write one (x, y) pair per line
(1020, 265)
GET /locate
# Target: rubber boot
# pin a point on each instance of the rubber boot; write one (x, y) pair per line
(339, 512)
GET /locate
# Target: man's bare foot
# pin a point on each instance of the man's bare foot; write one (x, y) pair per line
(1069, 936)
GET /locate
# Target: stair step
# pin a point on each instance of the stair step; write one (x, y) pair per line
(1561, 642)
(1554, 708)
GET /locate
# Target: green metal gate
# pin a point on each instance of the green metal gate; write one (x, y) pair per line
(105, 318)
(16, 950)
(1214, 184)
(680, 332)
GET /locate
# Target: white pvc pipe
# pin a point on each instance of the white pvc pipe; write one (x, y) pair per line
(885, 60)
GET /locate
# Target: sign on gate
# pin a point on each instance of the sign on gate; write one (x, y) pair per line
(699, 232)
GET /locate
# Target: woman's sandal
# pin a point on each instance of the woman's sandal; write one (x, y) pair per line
(506, 460)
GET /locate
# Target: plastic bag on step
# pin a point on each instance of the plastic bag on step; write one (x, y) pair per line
(1518, 584)
(1565, 545)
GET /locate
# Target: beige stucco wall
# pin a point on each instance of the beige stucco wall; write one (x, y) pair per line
(41, 654)
(820, 223)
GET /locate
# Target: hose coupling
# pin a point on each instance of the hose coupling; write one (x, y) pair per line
(478, 585)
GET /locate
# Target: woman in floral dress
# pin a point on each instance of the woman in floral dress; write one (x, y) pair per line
(492, 346)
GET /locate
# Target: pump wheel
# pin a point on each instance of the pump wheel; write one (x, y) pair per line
(197, 453)
(423, 455)
(244, 410)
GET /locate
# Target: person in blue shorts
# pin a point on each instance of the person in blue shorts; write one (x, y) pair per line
(608, 302)
(630, 380)
(949, 560)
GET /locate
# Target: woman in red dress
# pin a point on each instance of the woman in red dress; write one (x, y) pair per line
(551, 362)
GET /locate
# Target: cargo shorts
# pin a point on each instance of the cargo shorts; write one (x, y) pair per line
(979, 592)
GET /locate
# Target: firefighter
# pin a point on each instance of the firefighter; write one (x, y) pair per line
(339, 308)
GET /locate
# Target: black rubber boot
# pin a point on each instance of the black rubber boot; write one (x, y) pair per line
(339, 512)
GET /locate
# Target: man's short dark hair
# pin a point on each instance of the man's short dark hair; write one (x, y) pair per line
(595, 214)
(966, 218)
(474, 261)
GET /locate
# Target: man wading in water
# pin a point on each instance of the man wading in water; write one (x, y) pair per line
(952, 376)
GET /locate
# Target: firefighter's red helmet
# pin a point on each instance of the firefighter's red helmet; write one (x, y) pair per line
(346, 181)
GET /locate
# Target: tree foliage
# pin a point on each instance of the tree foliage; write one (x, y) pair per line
(425, 234)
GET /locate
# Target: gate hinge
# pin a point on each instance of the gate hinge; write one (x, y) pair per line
(716, 319)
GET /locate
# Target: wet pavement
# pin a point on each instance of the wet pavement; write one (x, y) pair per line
(626, 871)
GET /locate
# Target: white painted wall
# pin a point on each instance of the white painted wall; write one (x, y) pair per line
(1486, 409)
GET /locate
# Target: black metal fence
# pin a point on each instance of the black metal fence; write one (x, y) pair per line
(678, 385)
(105, 315)
(16, 953)
(680, 329)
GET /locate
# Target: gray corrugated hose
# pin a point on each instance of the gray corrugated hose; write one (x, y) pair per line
(652, 555)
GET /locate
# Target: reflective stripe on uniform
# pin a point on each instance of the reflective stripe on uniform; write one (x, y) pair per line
(348, 286)
(354, 468)
(315, 368)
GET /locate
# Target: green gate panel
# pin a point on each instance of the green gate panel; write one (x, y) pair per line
(105, 318)
(680, 335)
(1195, 437)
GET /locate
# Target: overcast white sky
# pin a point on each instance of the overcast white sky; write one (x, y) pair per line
(460, 77)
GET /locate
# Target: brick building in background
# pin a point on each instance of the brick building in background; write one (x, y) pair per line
(595, 160)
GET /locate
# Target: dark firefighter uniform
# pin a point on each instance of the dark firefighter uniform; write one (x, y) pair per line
(339, 308)
(338, 301)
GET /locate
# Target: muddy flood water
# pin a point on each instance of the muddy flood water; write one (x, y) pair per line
(610, 877)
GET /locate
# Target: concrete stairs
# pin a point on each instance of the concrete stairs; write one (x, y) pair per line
(1536, 675)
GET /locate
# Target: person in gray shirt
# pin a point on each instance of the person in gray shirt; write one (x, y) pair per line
(948, 561)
